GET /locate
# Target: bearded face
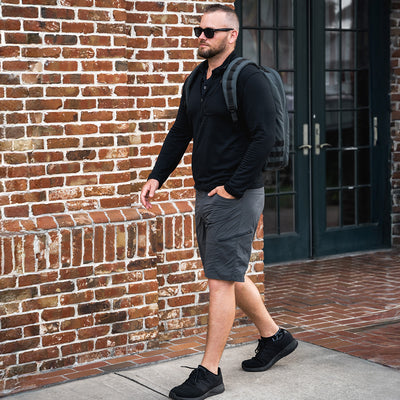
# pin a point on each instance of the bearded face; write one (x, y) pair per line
(208, 50)
(221, 41)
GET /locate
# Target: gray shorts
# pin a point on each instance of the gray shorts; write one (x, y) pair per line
(225, 231)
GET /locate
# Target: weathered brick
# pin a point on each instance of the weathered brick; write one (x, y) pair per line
(19, 320)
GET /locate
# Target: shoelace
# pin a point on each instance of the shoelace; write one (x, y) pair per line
(279, 335)
(194, 375)
(263, 349)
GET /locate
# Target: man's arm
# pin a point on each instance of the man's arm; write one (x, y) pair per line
(171, 153)
(148, 192)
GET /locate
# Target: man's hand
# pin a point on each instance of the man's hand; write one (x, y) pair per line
(148, 191)
(220, 190)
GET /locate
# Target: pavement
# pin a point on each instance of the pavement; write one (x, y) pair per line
(311, 372)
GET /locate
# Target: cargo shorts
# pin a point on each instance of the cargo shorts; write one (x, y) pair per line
(225, 230)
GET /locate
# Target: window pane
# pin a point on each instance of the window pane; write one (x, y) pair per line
(364, 167)
(250, 13)
(348, 207)
(332, 14)
(332, 128)
(364, 205)
(288, 82)
(285, 48)
(270, 182)
(348, 42)
(270, 216)
(332, 209)
(286, 179)
(267, 49)
(363, 128)
(332, 50)
(348, 173)
(347, 89)
(362, 14)
(332, 168)
(348, 138)
(286, 205)
(285, 12)
(250, 37)
(332, 89)
(362, 50)
(267, 13)
(362, 88)
(348, 14)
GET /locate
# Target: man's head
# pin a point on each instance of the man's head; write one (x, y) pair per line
(221, 36)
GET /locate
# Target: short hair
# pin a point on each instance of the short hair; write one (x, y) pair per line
(231, 14)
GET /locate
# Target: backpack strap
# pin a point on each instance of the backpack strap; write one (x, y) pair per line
(229, 85)
(189, 81)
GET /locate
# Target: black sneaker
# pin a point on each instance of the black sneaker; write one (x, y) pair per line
(270, 350)
(201, 384)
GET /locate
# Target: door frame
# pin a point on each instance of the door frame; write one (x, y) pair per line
(354, 238)
(304, 242)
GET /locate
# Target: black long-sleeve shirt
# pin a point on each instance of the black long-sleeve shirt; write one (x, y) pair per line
(223, 154)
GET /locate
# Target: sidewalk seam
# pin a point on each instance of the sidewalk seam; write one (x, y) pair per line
(141, 384)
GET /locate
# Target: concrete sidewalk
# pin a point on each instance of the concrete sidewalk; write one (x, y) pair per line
(311, 372)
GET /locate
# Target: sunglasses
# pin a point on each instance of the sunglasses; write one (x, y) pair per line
(209, 32)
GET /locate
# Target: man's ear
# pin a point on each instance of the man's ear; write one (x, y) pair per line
(233, 36)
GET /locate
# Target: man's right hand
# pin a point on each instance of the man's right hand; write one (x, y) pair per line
(148, 191)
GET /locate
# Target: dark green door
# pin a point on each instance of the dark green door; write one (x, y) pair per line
(333, 58)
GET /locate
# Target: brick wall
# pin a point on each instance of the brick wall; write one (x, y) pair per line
(395, 122)
(88, 90)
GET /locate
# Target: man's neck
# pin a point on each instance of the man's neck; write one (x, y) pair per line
(217, 61)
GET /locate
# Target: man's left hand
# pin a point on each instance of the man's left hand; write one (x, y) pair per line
(220, 190)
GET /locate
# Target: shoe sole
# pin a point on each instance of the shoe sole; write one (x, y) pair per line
(283, 353)
(212, 392)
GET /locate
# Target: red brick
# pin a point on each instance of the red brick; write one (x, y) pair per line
(75, 298)
(20, 12)
(143, 287)
(48, 26)
(39, 355)
(75, 348)
(59, 313)
(16, 211)
(19, 320)
(95, 332)
(108, 293)
(19, 345)
(48, 208)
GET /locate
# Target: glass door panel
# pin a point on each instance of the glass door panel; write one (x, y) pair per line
(344, 114)
(327, 200)
(269, 30)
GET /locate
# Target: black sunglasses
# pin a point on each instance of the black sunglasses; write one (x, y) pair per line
(209, 32)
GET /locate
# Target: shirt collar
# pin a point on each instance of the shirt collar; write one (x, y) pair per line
(221, 69)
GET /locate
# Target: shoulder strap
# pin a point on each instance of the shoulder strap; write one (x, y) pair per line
(229, 84)
(189, 81)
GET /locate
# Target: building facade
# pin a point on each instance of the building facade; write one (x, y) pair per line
(88, 91)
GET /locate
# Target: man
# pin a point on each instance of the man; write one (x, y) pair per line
(227, 162)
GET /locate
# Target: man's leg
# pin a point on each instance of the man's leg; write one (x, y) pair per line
(221, 315)
(250, 301)
(275, 343)
(206, 380)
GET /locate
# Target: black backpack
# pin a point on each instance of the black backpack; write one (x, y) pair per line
(278, 158)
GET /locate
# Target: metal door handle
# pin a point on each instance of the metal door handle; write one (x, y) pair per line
(318, 145)
(375, 130)
(317, 135)
(305, 146)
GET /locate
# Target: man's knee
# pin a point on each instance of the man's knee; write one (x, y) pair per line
(219, 285)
